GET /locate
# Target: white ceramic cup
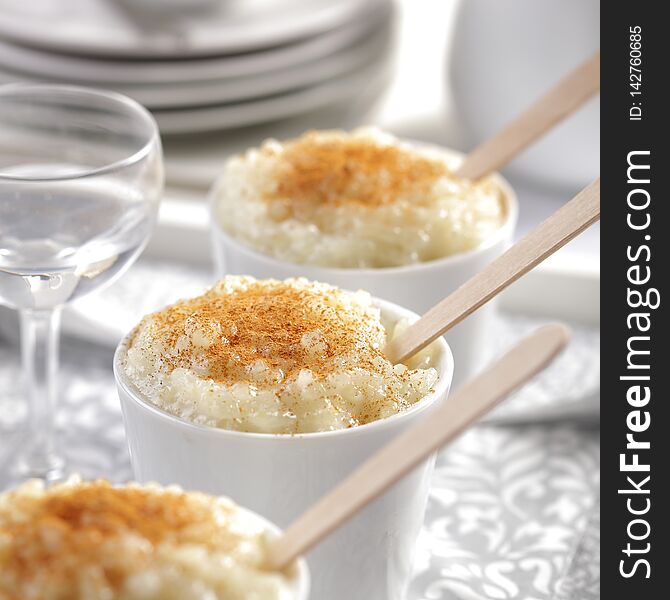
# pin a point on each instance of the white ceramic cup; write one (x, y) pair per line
(300, 584)
(417, 287)
(494, 53)
(279, 476)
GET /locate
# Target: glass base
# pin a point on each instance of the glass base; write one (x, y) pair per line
(50, 469)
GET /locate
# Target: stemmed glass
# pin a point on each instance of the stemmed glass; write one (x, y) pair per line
(81, 175)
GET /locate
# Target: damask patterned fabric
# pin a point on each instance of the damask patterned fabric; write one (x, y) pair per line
(508, 511)
(582, 579)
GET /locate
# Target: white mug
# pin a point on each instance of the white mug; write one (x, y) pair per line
(279, 476)
(504, 55)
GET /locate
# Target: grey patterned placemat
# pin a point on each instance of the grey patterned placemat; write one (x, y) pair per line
(89, 416)
(581, 580)
(507, 509)
(569, 389)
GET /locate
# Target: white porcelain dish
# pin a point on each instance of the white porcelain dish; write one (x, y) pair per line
(357, 86)
(104, 28)
(279, 476)
(217, 92)
(92, 70)
(495, 54)
(302, 584)
(418, 287)
(354, 86)
(195, 94)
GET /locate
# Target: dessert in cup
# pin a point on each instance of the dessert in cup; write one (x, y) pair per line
(271, 392)
(365, 210)
(89, 539)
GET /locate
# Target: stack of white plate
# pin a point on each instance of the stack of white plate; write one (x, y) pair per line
(216, 64)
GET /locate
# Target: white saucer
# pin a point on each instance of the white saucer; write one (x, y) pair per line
(88, 70)
(248, 88)
(194, 94)
(111, 28)
(368, 80)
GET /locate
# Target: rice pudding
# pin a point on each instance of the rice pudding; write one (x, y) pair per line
(91, 540)
(354, 200)
(272, 356)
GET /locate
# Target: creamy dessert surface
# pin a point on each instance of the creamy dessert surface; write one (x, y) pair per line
(355, 200)
(272, 356)
(91, 540)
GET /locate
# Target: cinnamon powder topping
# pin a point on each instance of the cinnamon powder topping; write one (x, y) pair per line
(278, 357)
(64, 529)
(318, 168)
(287, 325)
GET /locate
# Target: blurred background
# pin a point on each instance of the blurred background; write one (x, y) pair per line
(514, 508)
(222, 75)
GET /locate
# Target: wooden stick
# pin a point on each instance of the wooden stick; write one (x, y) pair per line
(550, 235)
(563, 99)
(407, 450)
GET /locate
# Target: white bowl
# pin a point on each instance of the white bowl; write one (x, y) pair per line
(301, 583)
(279, 476)
(418, 287)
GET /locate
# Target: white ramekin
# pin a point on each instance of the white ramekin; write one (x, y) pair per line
(279, 476)
(417, 287)
(301, 577)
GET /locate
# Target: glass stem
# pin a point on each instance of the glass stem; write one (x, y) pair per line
(39, 353)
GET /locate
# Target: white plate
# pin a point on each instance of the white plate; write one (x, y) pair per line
(248, 88)
(109, 28)
(227, 116)
(107, 71)
(362, 82)
(194, 94)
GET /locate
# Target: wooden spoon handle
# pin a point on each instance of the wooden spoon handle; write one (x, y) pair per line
(553, 233)
(407, 450)
(564, 98)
